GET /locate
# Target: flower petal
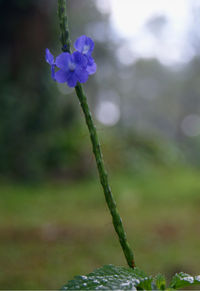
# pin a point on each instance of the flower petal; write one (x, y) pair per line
(53, 72)
(49, 57)
(84, 45)
(82, 75)
(91, 69)
(62, 61)
(79, 59)
(80, 42)
(72, 79)
(61, 76)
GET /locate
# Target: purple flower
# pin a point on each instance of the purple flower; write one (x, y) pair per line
(91, 66)
(72, 68)
(50, 60)
(85, 45)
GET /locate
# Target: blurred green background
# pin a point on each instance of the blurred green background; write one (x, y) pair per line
(54, 222)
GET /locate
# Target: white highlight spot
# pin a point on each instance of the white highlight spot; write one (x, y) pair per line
(191, 125)
(86, 49)
(189, 279)
(108, 113)
(197, 278)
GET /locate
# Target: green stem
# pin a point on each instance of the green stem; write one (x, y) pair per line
(64, 30)
(117, 222)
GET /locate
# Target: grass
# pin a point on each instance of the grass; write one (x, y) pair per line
(51, 232)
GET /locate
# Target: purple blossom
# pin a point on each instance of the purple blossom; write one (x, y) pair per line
(91, 66)
(72, 68)
(50, 60)
(85, 45)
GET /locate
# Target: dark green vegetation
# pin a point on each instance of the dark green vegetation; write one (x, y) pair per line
(51, 232)
(110, 277)
(40, 123)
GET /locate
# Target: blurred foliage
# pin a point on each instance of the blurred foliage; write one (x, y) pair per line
(66, 227)
(43, 135)
(40, 132)
(41, 128)
(36, 126)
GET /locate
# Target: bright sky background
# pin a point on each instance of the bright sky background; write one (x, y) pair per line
(169, 41)
(128, 19)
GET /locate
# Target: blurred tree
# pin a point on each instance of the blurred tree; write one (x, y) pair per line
(38, 123)
(30, 109)
(39, 134)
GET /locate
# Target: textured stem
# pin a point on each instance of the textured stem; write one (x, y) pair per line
(64, 30)
(117, 222)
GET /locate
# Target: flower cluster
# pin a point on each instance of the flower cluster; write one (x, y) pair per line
(75, 67)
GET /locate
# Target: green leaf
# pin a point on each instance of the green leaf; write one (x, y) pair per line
(182, 280)
(160, 282)
(111, 277)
